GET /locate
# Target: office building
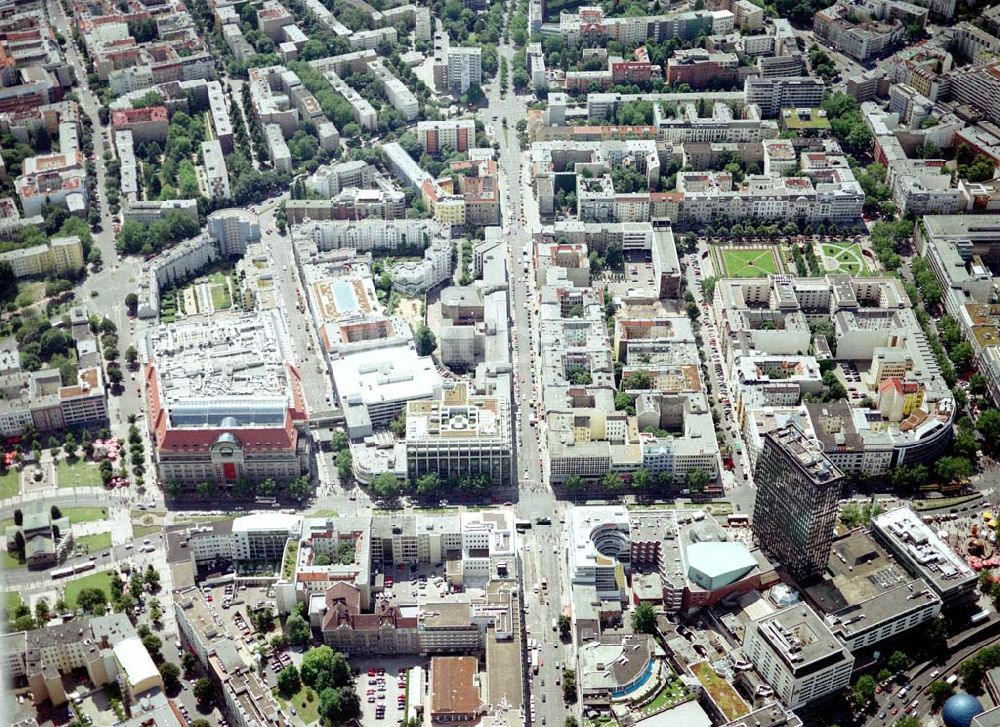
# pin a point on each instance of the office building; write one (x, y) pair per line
(454, 693)
(926, 556)
(796, 506)
(798, 655)
(458, 435)
(978, 86)
(868, 597)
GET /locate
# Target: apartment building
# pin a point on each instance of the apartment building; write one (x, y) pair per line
(369, 234)
(773, 94)
(372, 39)
(456, 134)
(478, 185)
(700, 69)
(788, 66)
(419, 276)
(590, 24)
(246, 700)
(61, 254)
(234, 229)
(146, 124)
(861, 38)
(906, 407)
(973, 44)
(58, 179)
(272, 16)
(106, 647)
(221, 122)
(919, 187)
(277, 149)
(958, 248)
(365, 115)
(40, 399)
(216, 174)
(330, 179)
(688, 414)
(350, 203)
(464, 68)
(835, 197)
(146, 212)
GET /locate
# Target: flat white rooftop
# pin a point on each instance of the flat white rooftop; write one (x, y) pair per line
(380, 375)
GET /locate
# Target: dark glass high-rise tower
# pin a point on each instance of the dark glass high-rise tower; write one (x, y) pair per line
(796, 507)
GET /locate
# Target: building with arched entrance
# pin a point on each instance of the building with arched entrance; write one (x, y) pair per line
(225, 401)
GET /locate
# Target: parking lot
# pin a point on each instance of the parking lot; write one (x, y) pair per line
(638, 275)
(847, 372)
(415, 584)
(382, 687)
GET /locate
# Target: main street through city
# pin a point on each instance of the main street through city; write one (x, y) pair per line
(543, 546)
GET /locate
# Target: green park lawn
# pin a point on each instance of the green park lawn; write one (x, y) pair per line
(939, 503)
(95, 542)
(11, 600)
(143, 531)
(145, 523)
(672, 694)
(79, 515)
(100, 580)
(308, 709)
(10, 484)
(752, 263)
(78, 474)
(847, 255)
(221, 295)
